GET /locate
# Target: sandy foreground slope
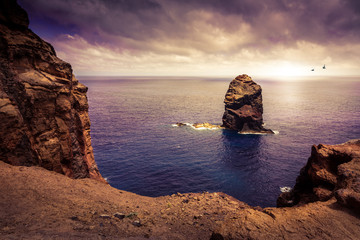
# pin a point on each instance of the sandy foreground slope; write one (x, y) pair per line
(39, 204)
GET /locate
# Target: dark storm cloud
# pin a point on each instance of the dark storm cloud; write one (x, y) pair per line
(91, 18)
(272, 21)
(308, 20)
(201, 30)
(246, 8)
(348, 17)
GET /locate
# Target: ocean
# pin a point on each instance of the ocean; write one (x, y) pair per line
(137, 149)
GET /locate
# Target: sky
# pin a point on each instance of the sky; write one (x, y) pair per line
(275, 38)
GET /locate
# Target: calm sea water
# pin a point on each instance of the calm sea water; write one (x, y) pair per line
(138, 150)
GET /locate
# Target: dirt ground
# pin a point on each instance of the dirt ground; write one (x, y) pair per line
(39, 204)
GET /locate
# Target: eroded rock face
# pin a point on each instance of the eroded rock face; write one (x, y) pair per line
(243, 106)
(43, 108)
(332, 170)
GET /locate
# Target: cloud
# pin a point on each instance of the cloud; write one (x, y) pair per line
(194, 35)
(94, 59)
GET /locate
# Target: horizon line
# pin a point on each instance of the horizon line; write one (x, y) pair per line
(216, 76)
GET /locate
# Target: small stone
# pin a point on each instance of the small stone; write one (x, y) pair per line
(132, 214)
(216, 236)
(119, 215)
(105, 216)
(136, 223)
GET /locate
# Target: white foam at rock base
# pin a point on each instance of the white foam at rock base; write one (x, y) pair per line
(285, 189)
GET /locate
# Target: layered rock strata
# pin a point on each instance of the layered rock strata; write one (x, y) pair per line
(331, 171)
(43, 107)
(243, 106)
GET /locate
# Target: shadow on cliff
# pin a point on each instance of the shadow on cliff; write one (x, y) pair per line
(337, 207)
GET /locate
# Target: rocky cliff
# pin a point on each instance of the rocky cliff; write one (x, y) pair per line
(43, 108)
(331, 171)
(243, 106)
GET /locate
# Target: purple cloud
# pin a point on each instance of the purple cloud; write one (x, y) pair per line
(207, 28)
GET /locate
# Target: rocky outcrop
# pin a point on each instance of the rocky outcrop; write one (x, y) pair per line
(43, 108)
(199, 126)
(206, 125)
(243, 106)
(331, 171)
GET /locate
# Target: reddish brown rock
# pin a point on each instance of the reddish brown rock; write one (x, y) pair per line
(43, 108)
(332, 170)
(243, 106)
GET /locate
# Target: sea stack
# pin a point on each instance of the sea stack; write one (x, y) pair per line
(331, 171)
(43, 108)
(243, 106)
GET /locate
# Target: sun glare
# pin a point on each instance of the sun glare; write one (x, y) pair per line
(287, 69)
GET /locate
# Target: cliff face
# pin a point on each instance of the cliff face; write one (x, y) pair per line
(43, 108)
(331, 171)
(243, 106)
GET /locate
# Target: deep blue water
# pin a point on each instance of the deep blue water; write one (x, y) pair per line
(138, 150)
